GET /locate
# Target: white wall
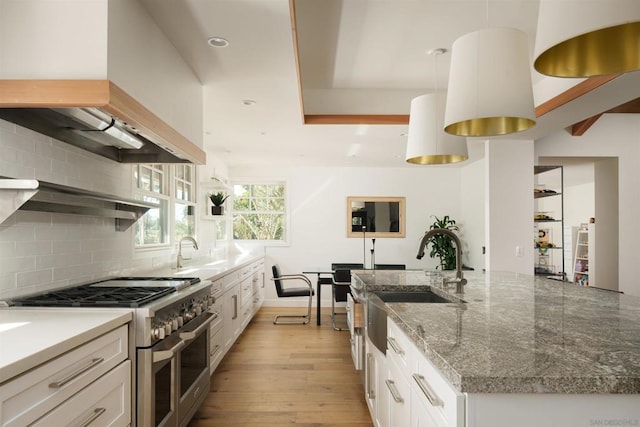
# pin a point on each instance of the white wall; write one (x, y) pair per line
(146, 65)
(509, 199)
(613, 135)
(472, 196)
(101, 39)
(71, 46)
(317, 204)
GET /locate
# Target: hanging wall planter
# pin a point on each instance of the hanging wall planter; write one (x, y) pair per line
(217, 199)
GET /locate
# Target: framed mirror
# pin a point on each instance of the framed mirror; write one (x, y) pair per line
(381, 216)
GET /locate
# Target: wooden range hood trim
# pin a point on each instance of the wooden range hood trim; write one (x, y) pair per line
(105, 95)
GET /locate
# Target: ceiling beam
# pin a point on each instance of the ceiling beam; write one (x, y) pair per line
(356, 119)
(578, 129)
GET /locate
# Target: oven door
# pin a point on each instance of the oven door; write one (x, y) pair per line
(157, 401)
(193, 366)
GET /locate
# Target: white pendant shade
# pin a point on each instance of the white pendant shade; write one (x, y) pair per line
(490, 90)
(582, 38)
(427, 143)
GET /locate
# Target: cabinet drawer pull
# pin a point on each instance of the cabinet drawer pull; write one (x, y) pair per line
(394, 345)
(75, 374)
(391, 385)
(370, 392)
(432, 397)
(96, 413)
(235, 306)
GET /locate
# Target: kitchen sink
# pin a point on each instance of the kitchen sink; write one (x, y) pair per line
(421, 296)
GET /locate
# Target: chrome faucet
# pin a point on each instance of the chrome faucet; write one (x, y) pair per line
(180, 259)
(460, 281)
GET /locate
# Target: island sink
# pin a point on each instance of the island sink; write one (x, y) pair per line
(413, 297)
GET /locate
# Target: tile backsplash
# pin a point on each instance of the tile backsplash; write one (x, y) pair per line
(41, 251)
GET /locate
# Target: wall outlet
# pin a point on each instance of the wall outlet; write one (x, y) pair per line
(519, 251)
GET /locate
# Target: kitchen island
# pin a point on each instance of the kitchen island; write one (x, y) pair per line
(520, 335)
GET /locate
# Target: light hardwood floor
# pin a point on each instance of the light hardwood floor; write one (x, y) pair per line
(280, 375)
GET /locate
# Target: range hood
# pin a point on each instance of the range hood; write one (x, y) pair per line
(98, 116)
(33, 195)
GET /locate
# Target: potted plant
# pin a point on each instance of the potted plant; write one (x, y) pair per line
(217, 199)
(441, 245)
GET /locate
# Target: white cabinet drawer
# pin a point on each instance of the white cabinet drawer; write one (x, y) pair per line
(216, 350)
(106, 402)
(216, 310)
(216, 288)
(28, 397)
(437, 396)
(398, 346)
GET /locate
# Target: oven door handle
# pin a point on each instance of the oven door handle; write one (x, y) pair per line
(189, 335)
(161, 355)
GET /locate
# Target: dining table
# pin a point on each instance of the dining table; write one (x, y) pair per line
(325, 277)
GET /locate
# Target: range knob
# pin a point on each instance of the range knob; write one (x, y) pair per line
(161, 333)
(155, 334)
(198, 309)
(180, 320)
(167, 328)
(174, 324)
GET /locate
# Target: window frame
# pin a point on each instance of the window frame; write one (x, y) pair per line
(286, 212)
(172, 202)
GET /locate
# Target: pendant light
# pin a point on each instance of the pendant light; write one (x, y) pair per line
(584, 38)
(427, 143)
(490, 91)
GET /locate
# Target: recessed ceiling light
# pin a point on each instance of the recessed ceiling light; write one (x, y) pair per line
(217, 42)
(248, 102)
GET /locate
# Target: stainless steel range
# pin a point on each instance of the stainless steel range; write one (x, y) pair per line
(171, 320)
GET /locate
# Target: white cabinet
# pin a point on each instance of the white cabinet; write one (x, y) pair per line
(28, 397)
(216, 334)
(239, 295)
(398, 394)
(232, 319)
(376, 392)
(419, 395)
(106, 402)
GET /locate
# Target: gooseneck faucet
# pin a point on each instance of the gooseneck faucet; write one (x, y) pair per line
(460, 281)
(180, 258)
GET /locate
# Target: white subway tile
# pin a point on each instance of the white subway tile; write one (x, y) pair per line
(33, 248)
(17, 264)
(34, 277)
(66, 246)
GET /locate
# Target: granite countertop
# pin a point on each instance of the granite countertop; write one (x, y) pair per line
(522, 334)
(32, 336)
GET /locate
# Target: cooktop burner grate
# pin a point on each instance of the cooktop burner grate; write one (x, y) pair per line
(95, 296)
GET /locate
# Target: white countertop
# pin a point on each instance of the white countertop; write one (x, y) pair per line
(31, 336)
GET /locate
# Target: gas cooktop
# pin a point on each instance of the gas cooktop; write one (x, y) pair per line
(118, 292)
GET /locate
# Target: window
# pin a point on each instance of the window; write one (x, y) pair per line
(259, 212)
(185, 205)
(151, 186)
(152, 183)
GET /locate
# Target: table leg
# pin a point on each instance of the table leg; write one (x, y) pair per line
(318, 303)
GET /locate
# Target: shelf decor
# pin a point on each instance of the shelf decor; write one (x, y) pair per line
(218, 200)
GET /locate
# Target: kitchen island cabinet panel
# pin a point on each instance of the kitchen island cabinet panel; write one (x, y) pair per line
(516, 349)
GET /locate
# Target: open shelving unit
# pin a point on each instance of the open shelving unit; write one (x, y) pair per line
(581, 264)
(548, 218)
